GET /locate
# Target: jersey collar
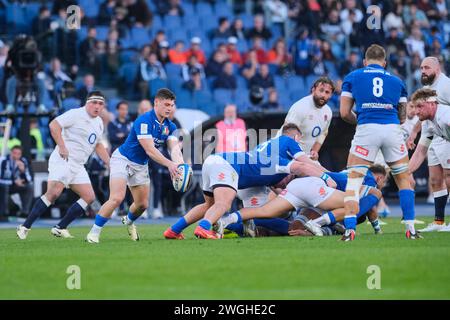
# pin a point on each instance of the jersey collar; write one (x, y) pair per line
(153, 116)
(374, 65)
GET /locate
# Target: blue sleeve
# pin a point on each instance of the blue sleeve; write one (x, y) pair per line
(404, 93)
(293, 149)
(347, 86)
(172, 128)
(369, 180)
(142, 129)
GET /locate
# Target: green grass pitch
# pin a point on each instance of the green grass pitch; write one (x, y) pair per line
(260, 268)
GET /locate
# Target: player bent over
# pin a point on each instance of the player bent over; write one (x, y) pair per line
(224, 173)
(129, 164)
(380, 100)
(76, 133)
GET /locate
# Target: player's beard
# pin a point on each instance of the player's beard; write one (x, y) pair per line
(427, 80)
(319, 102)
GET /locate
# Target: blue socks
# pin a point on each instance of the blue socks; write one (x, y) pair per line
(179, 226)
(131, 216)
(350, 222)
(72, 213)
(407, 204)
(366, 203)
(100, 221)
(205, 224)
(38, 209)
(331, 217)
(278, 225)
(236, 227)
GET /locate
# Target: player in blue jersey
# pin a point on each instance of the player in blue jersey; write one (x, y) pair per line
(380, 100)
(224, 173)
(129, 163)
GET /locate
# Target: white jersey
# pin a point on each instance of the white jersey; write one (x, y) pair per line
(440, 125)
(408, 126)
(80, 133)
(312, 121)
(442, 87)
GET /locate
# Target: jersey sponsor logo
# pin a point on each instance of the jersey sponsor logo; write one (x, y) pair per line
(254, 201)
(144, 128)
(92, 138)
(221, 176)
(322, 191)
(362, 151)
(402, 148)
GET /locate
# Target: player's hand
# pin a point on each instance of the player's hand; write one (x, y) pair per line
(19, 182)
(173, 169)
(64, 153)
(331, 183)
(20, 165)
(314, 155)
(410, 143)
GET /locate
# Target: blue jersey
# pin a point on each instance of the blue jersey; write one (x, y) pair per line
(265, 165)
(146, 126)
(376, 93)
(341, 179)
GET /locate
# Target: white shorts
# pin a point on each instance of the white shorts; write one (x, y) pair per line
(254, 197)
(135, 174)
(306, 192)
(216, 172)
(439, 153)
(66, 172)
(372, 137)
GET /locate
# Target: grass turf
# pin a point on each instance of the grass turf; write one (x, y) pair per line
(260, 268)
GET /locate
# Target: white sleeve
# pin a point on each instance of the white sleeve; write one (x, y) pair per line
(68, 118)
(295, 115)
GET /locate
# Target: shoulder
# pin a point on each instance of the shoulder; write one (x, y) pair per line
(327, 110)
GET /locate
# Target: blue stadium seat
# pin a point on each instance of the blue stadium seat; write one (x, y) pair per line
(242, 83)
(247, 20)
(157, 23)
(222, 9)
(151, 5)
(128, 73)
(172, 22)
(280, 83)
(332, 71)
(140, 36)
(204, 9)
(32, 10)
(175, 83)
(310, 80)
(173, 70)
(90, 8)
(156, 84)
(216, 41)
(128, 56)
(242, 46)
(82, 33)
(184, 98)
(191, 22)
(16, 18)
(295, 83)
(223, 97)
(202, 99)
(188, 8)
(209, 24)
(112, 103)
(242, 99)
(177, 34)
(102, 32)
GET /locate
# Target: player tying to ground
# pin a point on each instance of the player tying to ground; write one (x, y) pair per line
(313, 116)
(76, 133)
(129, 163)
(380, 100)
(438, 151)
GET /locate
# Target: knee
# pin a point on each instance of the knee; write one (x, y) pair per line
(436, 181)
(116, 200)
(222, 206)
(89, 198)
(141, 205)
(52, 195)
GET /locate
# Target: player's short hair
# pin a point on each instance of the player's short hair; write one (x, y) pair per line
(324, 80)
(96, 95)
(17, 148)
(121, 102)
(378, 169)
(165, 94)
(375, 52)
(289, 127)
(424, 94)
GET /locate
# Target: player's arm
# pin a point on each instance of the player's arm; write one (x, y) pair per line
(412, 137)
(419, 154)
(149, 147)
(56, 132)
(346, 111)
(101, 151)
(402, 112)
(174, 150)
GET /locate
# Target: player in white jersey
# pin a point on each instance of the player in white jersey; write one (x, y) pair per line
(433, 78)
(76, 133)
(428, 108)
(313, 116)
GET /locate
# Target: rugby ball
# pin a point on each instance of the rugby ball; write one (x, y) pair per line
(183, 179)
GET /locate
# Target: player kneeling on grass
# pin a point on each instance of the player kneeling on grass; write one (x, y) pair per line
(224, 173)
(309, 192)
(129, 164)
(76, 134)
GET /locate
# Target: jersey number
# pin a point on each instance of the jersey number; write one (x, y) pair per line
(377, 87)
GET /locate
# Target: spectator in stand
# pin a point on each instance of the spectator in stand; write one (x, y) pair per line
(231, 132)
(138, 13)
(112, 51)
(223, 31)
(399, 64)
(120, 127)
(441, 6)
(411, 13)
(88, 86)
(259, 49)
(237, 29)
(352, 63)
(170, 8)
(394, 42)
(159, 37)
(259, 29)
(215, 64)
(414, 43)
(301, 50)
(106, 12)
(251, 65)
(196, 51)
(15, 177)
(272, 104)
(88, 47)
(394, 19)
(144, 106)
(41, 25)
(280, 57)
(150, 69)
(263, 78)
(227, 79)
(350, 7)
(193, 74)
(233, 53)
(176, 54)
(163, 52)
(55, 79)
(277, 11)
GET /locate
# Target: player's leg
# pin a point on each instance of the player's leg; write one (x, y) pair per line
(87, 196)
(54, 190)
(194, 215)
(440, 194)
(447, 182)
(140, 195)
(117, 190)
(223, 199)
